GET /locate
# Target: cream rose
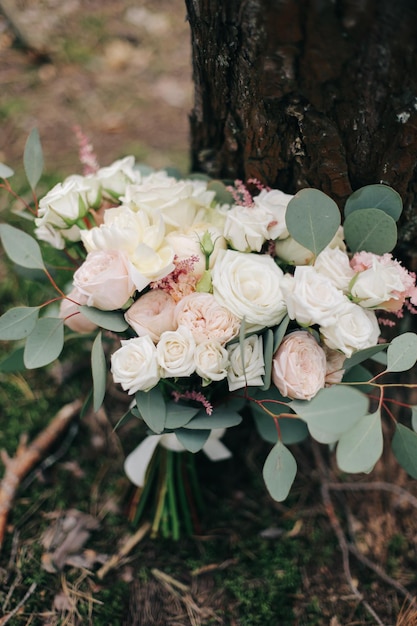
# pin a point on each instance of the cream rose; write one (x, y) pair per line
(211, 361)
(294, 253)
(105, 279)
(206, 318)
(246, 228)
(312, 298)
(187, 243)
(334, 366)
(64, 204)
(249, 285)
(175, 352)
(355, 329)
(135, 365)
(299, 366)
(248, 372)
(152, 314)
(69, 311)
(114, 178)
(275, 202)
(334, 263)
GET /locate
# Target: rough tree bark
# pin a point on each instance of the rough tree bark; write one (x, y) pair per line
(307, 93)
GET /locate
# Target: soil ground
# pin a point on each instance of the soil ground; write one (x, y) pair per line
(121, 71)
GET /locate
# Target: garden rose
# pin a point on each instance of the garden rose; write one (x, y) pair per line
(246, 228)
(334, 366)
(187, 243)
(249, 285)
(70, 312)
(275, 202)
(152, 314)
(334, 263)
(211, 361)
(175, 352)
(312, 298)
(299, 366)
(135, 365)
(105, 279)
(355, 329)
(64, 204)
(250, 372)
(206, 318)
(114, 178)
(381, 282)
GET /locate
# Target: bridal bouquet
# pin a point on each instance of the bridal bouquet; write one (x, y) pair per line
(204, 299)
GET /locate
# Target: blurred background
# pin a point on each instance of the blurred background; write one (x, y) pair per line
(121, 70)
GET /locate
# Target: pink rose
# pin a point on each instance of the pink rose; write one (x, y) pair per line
(70, 312)
(206, 318)
(152, 314)
(104, 278)
(299, 366)
(334, 366)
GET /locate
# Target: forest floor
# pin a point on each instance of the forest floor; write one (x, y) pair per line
(121, 71)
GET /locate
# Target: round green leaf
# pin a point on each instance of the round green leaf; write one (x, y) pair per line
(377, 197)
(332, 412)
(21, 248)
(192, 440)
(110, 320)
(279, 471)
(45, 342)
(371, 230)
(18, 322)
(361, 447)
(223, 196)
(178, 415)
(312, 219)
(404, 448)
(402, 353)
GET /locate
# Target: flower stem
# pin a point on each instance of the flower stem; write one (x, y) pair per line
(172, 504)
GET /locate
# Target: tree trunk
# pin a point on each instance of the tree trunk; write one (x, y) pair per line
(307, 93)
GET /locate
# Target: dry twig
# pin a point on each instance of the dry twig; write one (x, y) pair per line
(17, 608)
(28, 456)
(124, 551)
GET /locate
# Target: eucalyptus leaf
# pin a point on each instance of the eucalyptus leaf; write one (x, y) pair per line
(223, 196)
(109, 320)
(279, 471)
(292, 430)
(402, 353)
(363, 355)
(5, 171)
(221, 418)
(268, 346)
(13, 362)
(356, 375)
(152, 409)
(21, 248)
(332, 412)
(33, 158)
(99, 372)
(45, 342)
(177, 414)
(378, 197)
(192, 440)
(404, 448)
(371, 230)
(18, 323)
(280, 331)
(312, 219)
(361, 446)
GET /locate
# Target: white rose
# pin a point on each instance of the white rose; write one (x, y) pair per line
(114, 178)
(104, 278)
(174, 199)
(206, 318)
(135, 365)
(383, 284)
(334, 263)
(175, 352)
(51, 235)
(138, 235)
(294, 253)
(249, 285)
(299, 366)
(246, 228)
(186, 244)
(311, 298)
(211, 360)
(275, 202)
(250, 371)
(64, 204)
(355, 329)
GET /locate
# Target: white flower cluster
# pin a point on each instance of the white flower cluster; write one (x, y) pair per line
(188, 273)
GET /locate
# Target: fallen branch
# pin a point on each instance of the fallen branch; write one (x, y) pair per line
(28, 456)
(124, 550)
(17, 608)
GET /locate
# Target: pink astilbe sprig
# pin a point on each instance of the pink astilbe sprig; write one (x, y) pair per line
(181, 281)
(197, 396)
(241, 194)
(257, 183)
(86, 152)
